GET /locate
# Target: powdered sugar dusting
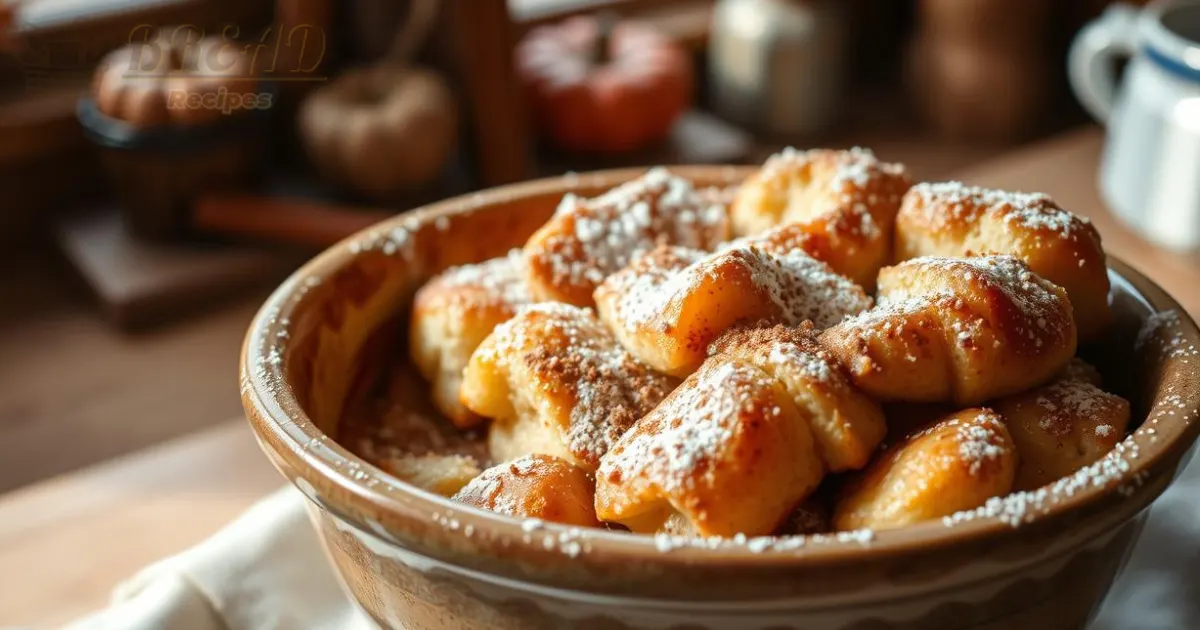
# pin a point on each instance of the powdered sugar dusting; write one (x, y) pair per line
(798, 286)
(981, 441)
(943, 202)
(588, 239)
(929, 285)
(857, 174)
(567, 350)
(1162, 334)
(803, 287)
(501, 280)
(1024, 507)
(675, 445)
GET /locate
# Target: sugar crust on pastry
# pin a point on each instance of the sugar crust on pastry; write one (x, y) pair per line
(556, 382)
(846, 424)
(668, 305)
(534, 486)
(588, 239)
(727, 429)
(956, 464)
(451, 316)
(952, 219)
(960, 330)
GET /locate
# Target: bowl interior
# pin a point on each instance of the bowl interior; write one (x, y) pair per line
(328, 332)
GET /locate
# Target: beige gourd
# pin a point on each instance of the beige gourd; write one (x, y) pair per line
(387, 128)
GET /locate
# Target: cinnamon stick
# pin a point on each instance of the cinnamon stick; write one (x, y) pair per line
(280, 220)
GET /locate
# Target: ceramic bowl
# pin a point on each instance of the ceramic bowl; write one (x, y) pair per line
(415, 560)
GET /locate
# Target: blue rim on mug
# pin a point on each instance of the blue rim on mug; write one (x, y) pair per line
(1166, 48)
(1174, 66)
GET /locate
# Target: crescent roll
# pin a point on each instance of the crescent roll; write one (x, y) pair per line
(950, 219)
(839, 206)
(1062, 426)
(556, 382)
(435, 472)
(846, 424)
(960, 330)
(958, 463)
(668, 305)
(452, 314)
(588, 239)
(534, 486)
(726, 453)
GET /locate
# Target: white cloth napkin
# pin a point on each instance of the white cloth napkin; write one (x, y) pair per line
(267, 570)
(264, 570)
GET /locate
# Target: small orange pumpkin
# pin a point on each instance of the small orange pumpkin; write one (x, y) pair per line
(599, 86)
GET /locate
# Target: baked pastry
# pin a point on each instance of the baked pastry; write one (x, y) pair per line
(847, 240)
(534, 486)
(950, 219)
(556, 382)
(588, 239)
(958, 463)
(1062, 426)
(961, 330)
(452, 314)
(728, 452)
(846, 424)
(668, 305)
(1079, 370)
(846, 202)
(437, 473)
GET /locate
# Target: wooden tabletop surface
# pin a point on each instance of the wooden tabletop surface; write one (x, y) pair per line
(66, 542)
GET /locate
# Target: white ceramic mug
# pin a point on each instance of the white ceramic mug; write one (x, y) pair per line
(1150, 171)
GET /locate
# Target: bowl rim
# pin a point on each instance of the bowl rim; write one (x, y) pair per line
(275, 413)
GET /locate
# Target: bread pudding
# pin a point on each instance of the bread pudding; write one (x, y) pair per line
(826, 348)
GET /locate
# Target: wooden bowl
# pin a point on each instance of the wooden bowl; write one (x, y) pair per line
(415, 560)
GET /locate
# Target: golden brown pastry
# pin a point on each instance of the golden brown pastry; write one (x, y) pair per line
(437, 473)
(1079, 370)
(556, 382)
(956, 464)
(846, 424)
(588, 239)
(727, 451)
(534, 486)
(848, 240)
(670, 304)
(961, 330)
(452, 314)
(846, 200)
(1062, 426)
(950, 219)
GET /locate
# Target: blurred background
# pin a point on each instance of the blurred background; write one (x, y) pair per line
(164, 163)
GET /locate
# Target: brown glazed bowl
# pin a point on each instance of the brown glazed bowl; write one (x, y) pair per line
(415, 560)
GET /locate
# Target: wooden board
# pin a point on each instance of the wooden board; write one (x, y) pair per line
(141, 284)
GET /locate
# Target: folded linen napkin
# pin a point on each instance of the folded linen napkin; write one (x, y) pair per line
(267, 570)
(264, 570)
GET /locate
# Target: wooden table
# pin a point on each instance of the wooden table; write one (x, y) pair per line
(71, 539)
(66, 542)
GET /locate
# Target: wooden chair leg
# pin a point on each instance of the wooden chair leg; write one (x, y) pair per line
(486, 37)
